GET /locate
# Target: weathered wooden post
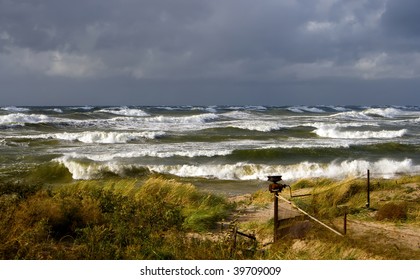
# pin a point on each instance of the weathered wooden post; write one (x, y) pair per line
(276, 215)
(345, 222)
(275, 188)
(368, 189)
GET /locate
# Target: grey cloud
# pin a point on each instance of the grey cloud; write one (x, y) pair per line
(230, 42)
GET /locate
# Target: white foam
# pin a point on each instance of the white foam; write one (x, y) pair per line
(86, 108)
(87, 170)
(241, 171)
(82, 168)
(262, 126)
(338, 108)
(15, 109)
(385, 112)
(19, 118)
(100, 137)
(352, 115)
(334, 132)
(249, 108)
(198, 119)
(301, 109)
(125, 111)
(107, 137)
(238, 115)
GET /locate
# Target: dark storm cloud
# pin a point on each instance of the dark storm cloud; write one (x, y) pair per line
(402, 18)
(267, 46)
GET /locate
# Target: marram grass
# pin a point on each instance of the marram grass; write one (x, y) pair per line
(156, 218)
(104, 219)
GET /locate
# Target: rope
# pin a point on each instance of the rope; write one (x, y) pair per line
(312, 217)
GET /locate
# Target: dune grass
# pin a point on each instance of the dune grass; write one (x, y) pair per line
(159, 218)
(105, 219)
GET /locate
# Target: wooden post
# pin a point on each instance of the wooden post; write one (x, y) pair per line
(276, 215)
(368, 189)
(345, 222)
(233, 248)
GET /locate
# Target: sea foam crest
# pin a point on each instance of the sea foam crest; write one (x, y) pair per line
(301, 109)
(385, 168)
(87, 170)
(125, 111)
(385, 112)
(202, 118)
(334, 132)
(19, 118)
(242, 171)
(262, 126)
(352, 115)
(100, 137)
(107, 137)
(15, 109)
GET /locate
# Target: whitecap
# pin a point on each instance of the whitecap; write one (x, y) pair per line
(352, 115)
(242, 171)
(19, 118)
(125, 111)
(334, 132)
(384, 112)
(15, 109)
(100, 137)
(301, 109)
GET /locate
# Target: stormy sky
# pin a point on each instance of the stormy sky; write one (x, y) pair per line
(192, 52)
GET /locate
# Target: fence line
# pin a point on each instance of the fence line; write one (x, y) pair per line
(310, 216)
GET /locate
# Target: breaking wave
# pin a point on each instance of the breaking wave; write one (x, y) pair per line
(15, 109)
(125, 111)
(302, 109)
(352, 115)
(100, 137)
(19, 118)
(334, 132)
(385, 168)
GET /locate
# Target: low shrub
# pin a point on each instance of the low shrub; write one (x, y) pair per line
(392, 211)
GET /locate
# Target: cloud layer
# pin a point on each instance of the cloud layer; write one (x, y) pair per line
(192, 42)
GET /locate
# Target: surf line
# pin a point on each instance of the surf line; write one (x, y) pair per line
(312, 217)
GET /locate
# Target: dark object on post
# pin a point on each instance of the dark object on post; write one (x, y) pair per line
(274, 179)
(274, 186)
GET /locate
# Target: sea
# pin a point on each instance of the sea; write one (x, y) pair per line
(224, 143)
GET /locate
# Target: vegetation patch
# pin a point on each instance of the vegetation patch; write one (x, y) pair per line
(392, 212)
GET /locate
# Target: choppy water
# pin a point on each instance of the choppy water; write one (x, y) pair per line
(244, 143)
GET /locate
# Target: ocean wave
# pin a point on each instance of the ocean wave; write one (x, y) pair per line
(338, 108)
(85, 108)
(15, 109)
(352, 115)
(262, 126)
(198, 119)
(56, 110)
(187, 150)
(302, 109)
(19, 118)
(248, 108)
(100, 137)
(334, 132)
(385, 112)
(125, 111)
(385, 168)
(243, 171)
(238, 115)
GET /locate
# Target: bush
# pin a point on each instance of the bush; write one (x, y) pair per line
(105, 219)
(392, 211)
